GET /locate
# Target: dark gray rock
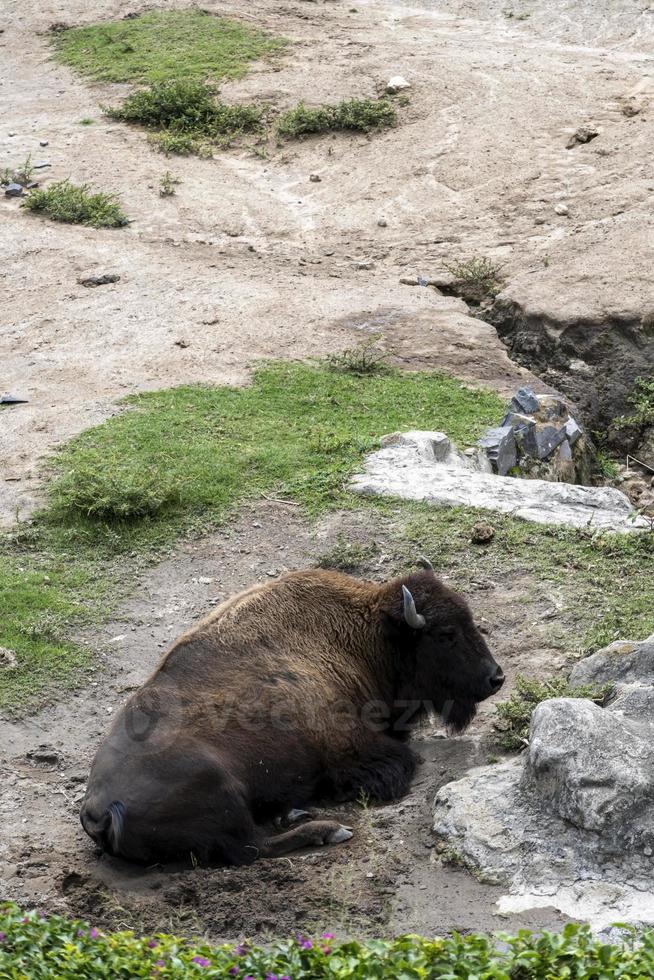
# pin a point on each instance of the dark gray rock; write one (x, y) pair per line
(13, 190)
(525, 401)
(102, 279)
(499, 445)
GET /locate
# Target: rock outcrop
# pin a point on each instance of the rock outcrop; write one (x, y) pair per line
(569, 824)
(425, 466)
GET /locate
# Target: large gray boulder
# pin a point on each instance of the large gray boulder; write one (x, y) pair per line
(422, 465)
(570, 824)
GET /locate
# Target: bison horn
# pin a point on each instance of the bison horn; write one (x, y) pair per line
(425, 563)
(411, 614)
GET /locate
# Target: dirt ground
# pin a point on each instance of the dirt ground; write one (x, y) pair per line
(250, 259)
(387, 877)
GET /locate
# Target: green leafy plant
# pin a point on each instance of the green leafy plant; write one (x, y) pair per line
(164, 44)
(642, 401)
(513, 716)
(76, 204)
(365, 358)
(167, 184)
(54, 948)
(362, 115)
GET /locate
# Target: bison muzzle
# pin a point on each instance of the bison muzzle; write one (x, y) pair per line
(301, 690)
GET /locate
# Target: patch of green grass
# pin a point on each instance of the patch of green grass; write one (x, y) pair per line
(607, 579)
(164, 44)
(513, 716)
(40, 598)
(86, 121)
(187, 115)
(76, 204)
(360, 115)
(190, 453)
(642, 402)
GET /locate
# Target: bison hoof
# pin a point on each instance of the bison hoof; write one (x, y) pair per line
(294, 816)
(339, 835)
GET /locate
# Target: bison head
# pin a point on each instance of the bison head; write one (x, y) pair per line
(447, 663)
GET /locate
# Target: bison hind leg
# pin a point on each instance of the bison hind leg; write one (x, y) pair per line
(315, 833)
(381, 772)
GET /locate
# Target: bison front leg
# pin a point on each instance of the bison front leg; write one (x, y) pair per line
(315, 833)
(380, 769)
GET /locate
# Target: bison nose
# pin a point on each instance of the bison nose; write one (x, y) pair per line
(496, 679)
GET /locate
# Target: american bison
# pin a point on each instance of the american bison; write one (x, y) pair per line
(292, 692)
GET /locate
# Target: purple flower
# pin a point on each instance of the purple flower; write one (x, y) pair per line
(240, 950)
(160, 963)
(271, 976)
(201, 961)
(328, 935)
(42, 915)
(80, 932)
(153, 944)
(2, 937)
(93, 934)
(235, 970)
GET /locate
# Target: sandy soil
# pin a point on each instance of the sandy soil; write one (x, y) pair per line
(250, 259)
(387, 878)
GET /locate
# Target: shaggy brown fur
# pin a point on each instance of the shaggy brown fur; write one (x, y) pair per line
(299, 690)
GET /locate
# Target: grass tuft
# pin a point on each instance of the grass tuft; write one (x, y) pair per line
(76, 204)
(346, 556)
(360, 115)
(513, 716)
(365, 358)
(162, 45)
(479, 277)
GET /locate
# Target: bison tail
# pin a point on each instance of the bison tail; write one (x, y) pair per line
(107, 831)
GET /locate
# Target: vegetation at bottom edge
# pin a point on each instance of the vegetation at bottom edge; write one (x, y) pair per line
(43, 947)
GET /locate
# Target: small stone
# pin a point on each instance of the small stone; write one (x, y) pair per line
(13, 400)
(561, 209)
(582, 135)
(551, 408)
(364, 265)
(396, 84)
(382, 222)
(182, 343)
(102, 279)
(7, 658)
(315, 178)
(43, 142)
(13, 190)
(572, 431)
(482, 533)
(205, 580)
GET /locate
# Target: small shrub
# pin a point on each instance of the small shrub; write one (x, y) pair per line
(167, 184)
(75, 204)
(366, 358)
(187, 115)
(86, 121)
(479, 274)
(121, 493)
(513, 716)
(362, 115)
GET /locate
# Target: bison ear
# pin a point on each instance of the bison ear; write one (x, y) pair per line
(411, 614)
